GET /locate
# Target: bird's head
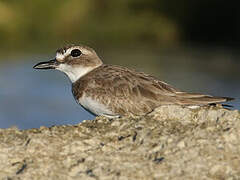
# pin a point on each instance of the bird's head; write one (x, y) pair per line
(74, 61)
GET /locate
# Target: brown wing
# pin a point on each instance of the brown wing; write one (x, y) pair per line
(126, 91)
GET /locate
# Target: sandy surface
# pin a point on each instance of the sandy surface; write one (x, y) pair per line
(170, 143)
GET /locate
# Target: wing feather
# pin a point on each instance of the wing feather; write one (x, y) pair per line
(126, 91)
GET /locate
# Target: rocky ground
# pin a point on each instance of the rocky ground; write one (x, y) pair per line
(170, 143)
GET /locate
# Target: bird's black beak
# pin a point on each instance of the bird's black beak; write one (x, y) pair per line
(52, 64)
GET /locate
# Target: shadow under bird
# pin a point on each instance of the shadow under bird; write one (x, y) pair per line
(114, 91)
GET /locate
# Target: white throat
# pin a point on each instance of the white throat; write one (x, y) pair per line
(74, 73)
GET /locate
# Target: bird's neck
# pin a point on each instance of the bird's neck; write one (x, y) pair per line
(75, 73)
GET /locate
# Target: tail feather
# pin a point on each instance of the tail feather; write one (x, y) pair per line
(200, 99)
(229, 98)
(227, 106)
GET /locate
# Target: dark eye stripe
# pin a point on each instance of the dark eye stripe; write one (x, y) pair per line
(76, 53)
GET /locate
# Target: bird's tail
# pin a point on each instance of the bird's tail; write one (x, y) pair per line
(199, 99)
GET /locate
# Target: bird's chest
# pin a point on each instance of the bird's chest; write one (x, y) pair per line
(94, 106)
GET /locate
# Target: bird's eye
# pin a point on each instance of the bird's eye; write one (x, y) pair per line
(76, 53)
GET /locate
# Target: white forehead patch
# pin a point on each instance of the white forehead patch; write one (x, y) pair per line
(60, 56)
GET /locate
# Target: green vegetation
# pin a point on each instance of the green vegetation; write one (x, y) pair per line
(44, 23)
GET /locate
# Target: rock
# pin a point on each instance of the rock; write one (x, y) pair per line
(172, 142)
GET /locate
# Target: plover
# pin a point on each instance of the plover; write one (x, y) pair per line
(114, 91)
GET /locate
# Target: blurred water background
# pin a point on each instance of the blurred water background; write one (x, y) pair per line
(191, 45)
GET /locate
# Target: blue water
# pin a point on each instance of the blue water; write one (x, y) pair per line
(31, 98)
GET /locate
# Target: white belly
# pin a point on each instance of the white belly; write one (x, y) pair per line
(95, 107)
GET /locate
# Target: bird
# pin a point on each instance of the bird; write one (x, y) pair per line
(115, 91)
